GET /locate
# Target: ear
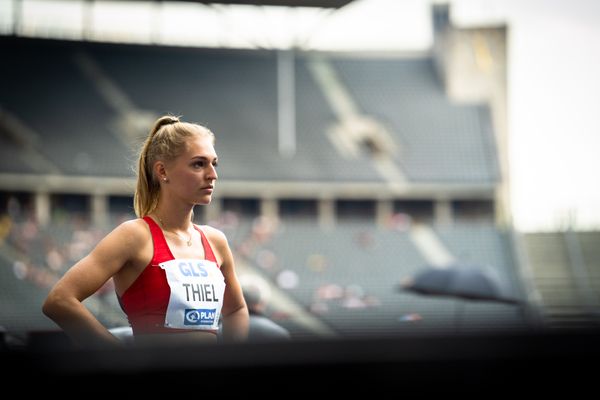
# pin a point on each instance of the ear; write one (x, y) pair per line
(160, 171)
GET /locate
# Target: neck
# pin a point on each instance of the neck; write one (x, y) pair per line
(174, 219)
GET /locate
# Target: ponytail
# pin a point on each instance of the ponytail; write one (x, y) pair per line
(145, 198)
(165, 141)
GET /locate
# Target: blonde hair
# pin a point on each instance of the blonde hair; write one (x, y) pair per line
(165, 142)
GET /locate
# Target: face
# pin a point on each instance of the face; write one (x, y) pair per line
(192, 175)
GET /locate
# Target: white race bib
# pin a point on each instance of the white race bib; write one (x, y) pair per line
(197, 288)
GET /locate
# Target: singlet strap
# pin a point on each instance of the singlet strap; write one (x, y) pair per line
(208, 251)
(162, 252)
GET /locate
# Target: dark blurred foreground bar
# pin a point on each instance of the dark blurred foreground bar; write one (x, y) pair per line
(535, 362)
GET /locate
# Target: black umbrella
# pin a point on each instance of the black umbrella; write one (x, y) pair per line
(461, 282)
(465, 282)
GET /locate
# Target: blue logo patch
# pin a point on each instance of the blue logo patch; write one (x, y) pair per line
(199, 316)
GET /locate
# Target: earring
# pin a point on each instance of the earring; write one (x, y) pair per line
(165, 179)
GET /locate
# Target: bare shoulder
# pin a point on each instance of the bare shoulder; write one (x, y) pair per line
(131, 231)
(220, 245)
(214, 235)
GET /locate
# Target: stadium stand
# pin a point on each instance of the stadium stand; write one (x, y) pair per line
(350, 277)
(67, 113)
(150, 77)
(458, 147)
(565, 269)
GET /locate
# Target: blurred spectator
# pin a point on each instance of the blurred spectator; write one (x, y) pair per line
(364, 240)
(5, 226)
(262, 328)
(287, 279)
(13, 208)
(317, 262)
(400, 222)
(266, 259)
(263, 228)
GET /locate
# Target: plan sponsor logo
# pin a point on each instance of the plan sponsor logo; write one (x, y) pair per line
(199, 316)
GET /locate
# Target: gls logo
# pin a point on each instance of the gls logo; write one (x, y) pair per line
(192, 269)
(199, 316)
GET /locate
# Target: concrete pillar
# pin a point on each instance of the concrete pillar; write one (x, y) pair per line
(42, 208)
(384, 209)
(442, 212)
(269, 208)
(326, 210)
(99, 205)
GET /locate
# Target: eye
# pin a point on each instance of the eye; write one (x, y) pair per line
(215, 164)
(198, 164)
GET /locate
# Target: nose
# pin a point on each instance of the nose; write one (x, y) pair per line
(212, 173)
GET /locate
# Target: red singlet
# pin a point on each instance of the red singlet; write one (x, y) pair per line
(145, 301)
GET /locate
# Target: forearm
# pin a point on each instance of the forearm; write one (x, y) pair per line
(82, 327)
(235, 325)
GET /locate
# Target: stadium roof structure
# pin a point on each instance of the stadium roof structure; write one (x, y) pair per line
(323, 25)
(287, 3)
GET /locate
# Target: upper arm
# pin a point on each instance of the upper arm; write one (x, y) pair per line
(234, 298)
(113, 252)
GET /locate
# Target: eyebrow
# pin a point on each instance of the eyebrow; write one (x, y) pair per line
(204, 158)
